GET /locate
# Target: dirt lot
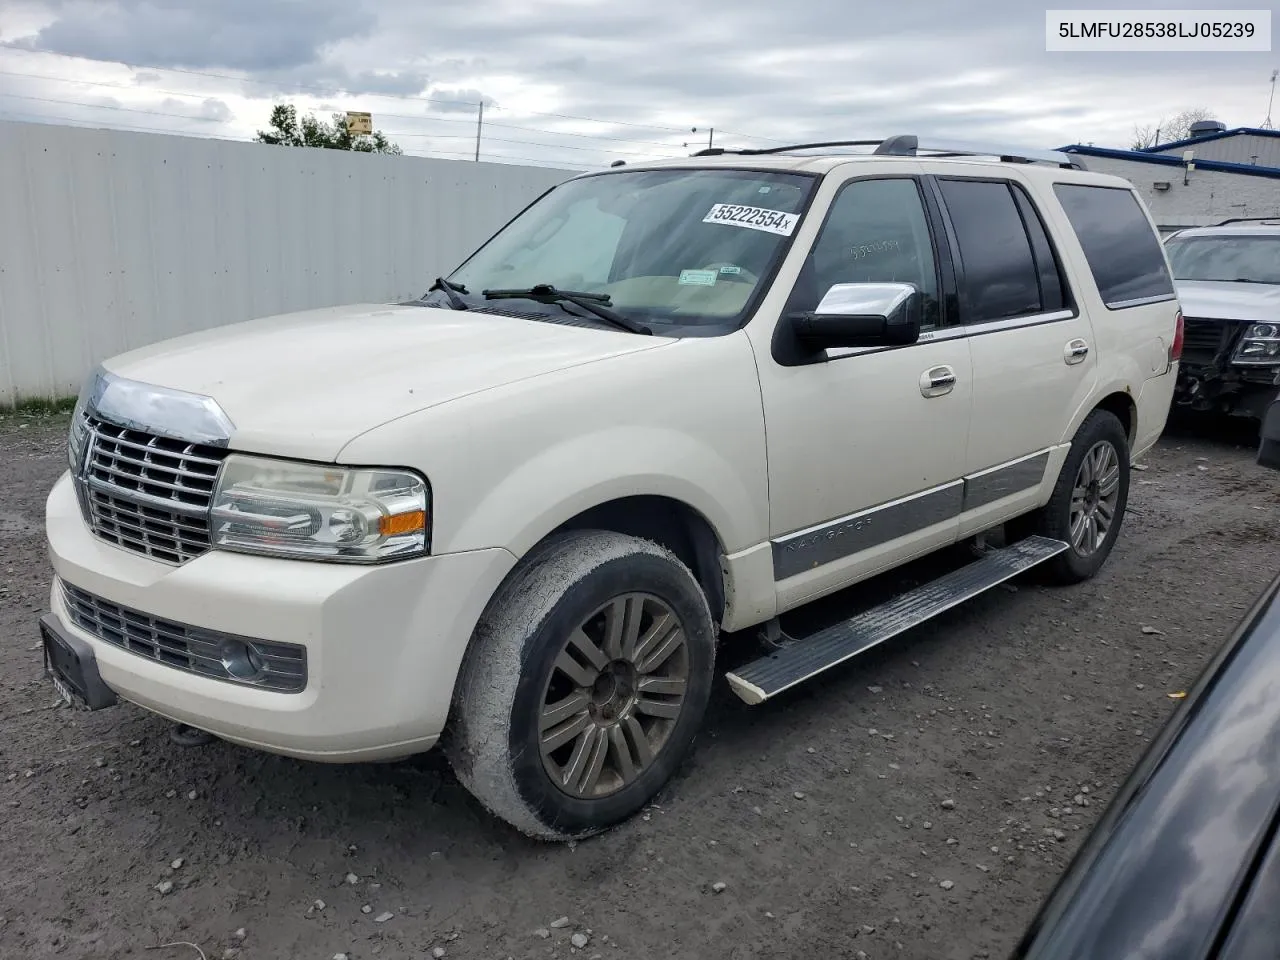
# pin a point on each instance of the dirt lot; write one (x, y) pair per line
(823, 814)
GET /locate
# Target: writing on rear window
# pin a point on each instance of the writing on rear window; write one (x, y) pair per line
(754, 218)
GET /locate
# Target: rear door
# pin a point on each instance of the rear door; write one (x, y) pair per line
(1032, 348)
(1128, 291)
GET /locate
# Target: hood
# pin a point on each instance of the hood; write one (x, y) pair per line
(1225, 300)
(305, 384)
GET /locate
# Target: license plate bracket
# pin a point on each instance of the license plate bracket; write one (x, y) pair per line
(71, 665)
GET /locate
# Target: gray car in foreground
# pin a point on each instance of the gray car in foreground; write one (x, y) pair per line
(1185, 862)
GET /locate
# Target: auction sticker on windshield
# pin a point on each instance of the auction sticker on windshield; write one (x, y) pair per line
(753, 218)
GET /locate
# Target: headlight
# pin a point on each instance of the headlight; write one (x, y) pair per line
(1260, 344)
(316, 512)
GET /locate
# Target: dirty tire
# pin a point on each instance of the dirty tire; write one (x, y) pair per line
(494, 738)
(1054, 519)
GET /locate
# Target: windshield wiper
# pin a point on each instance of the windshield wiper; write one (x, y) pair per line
(595, 303)
(451, 290)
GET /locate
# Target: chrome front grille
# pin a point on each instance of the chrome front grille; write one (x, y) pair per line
(282, 666)
(148, 493)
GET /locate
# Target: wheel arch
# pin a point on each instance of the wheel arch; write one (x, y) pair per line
(1122, 405)
(671, 523)
(666, 520)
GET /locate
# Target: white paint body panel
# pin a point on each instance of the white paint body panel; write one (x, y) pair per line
(377, 638)
(1219, 300)
(303, 384)
(521, 426)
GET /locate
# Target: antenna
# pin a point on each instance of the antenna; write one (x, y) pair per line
(1266, 124)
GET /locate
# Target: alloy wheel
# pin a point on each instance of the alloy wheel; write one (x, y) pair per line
(1094, 498)
(615, 693)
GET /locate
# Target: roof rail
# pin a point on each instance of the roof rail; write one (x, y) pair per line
(908, 145)
(1248, 220)
(763, 151)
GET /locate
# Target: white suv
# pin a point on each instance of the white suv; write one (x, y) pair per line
(663, 404)
(1228, 282)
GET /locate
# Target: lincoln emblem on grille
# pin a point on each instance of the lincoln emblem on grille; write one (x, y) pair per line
(145, 461)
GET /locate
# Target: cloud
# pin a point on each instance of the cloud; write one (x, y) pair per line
(759, 72)
(327, 78)
(230, 34)
(445, 100)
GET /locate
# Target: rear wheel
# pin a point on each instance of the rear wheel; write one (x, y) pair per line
(1088, 503)
(584, 686)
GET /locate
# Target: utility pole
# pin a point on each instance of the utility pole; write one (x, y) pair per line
(479, 127)
(711, 136)
(1266, 124)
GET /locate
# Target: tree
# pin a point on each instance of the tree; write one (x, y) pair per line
(1169, 131)
(288, 130)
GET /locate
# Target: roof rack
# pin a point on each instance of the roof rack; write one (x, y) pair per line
(1248, 220)
(760, 151)
(909, 145)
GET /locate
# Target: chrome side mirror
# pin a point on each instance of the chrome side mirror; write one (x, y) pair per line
(863, 315)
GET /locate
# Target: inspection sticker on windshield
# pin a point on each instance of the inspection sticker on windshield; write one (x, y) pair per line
(753, 218)
(701, 278)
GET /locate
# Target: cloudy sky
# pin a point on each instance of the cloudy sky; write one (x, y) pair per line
(580, 83)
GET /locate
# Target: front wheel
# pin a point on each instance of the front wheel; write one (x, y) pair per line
(584, 686)
(1088, 503)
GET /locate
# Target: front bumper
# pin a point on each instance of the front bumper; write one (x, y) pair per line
(1242, 391)
(1210, 381)
(383, 643)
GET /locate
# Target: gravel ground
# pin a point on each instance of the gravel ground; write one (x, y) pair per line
(920, 803)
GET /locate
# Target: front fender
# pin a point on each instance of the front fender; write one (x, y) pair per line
(508, 465)
(526, 504)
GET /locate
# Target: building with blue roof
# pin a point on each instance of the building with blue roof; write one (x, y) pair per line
(1213, 175)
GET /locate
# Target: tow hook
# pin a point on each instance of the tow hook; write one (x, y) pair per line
(185, 736)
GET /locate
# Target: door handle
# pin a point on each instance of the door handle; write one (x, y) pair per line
(937, 381)
(1075, 351)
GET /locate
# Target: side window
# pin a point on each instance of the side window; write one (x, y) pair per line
(1000, 276)
(1123, 251)
(876, 232)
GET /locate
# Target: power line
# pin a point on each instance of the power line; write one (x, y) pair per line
(283, 84)
(529, 143)
(54, 120)
(109, 106)
(425, 119)
(389, 133)
(49, 119)
(421, 118)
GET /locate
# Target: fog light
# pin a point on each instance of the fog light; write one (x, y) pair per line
(241, 660)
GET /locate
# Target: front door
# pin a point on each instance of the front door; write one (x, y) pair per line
(866, 447)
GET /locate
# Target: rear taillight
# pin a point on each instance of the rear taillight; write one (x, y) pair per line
(1175, 348)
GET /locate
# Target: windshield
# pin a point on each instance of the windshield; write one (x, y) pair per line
(1253, 259)
(669, 248)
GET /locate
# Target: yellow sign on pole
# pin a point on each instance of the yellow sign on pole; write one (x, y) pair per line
(358, 123)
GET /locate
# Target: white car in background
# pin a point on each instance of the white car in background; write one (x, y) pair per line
(1228, 280)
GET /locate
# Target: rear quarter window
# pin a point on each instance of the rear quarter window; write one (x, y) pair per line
(1122, 249)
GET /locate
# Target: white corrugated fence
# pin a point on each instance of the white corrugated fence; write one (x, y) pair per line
(111, 240)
